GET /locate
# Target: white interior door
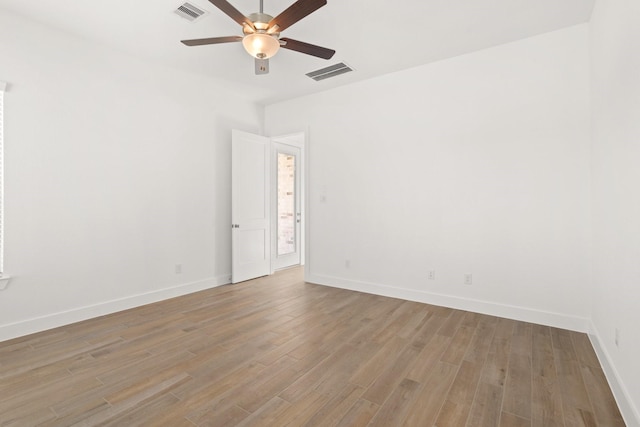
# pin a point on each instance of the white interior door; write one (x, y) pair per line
(250, 206)
(287, 165)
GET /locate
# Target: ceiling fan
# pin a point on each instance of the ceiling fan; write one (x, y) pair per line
(262, 32)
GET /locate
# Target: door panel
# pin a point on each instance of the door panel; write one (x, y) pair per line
(250, 204)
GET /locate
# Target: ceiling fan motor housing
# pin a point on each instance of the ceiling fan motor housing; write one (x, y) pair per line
(260, 21)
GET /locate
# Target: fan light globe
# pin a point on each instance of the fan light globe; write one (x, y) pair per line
(261, 45)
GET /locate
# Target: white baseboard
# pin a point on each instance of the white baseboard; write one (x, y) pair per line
(39, 324)
(629, 411)
(558, 320)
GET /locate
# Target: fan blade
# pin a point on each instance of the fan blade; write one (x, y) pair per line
(262, 66)
(232, 12)
(295, 12)
(309, 49)
(212, 40)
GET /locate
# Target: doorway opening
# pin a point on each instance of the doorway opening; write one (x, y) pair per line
(288, 201)
(286, 214)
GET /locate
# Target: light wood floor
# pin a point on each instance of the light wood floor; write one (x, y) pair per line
(277, 351)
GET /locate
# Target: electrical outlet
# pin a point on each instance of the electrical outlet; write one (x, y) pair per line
(178, 269)
(432, 275)
(468, 279)
(617, 337)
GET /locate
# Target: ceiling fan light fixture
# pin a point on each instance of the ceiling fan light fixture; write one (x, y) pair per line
(261, 45)
(262, 32)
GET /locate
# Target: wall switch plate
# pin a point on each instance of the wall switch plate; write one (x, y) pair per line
(468, 279)
(178, 269)
(432, 275)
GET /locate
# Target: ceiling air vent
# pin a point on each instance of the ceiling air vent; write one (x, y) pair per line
(190, 12)
(331, 71)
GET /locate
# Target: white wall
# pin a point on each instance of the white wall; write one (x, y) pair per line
(615, 42)
(477, 164)
(116, 171)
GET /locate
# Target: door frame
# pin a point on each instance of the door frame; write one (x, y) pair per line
(297, 140)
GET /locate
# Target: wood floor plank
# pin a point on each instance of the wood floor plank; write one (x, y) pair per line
(510, 420)
(604, 405)
(576, 404)
(397, 321)
(521, 339)
(495, 369)
(277, 351)
(584, 350)
(480, 343)
(517, 393)
(415, 324)
(46, 395)
(451, 325)
(371, 369)
(200, 397)
(428, 330)
(37, 358)
(300, 411)
(452, 414)
(359, 415)
(426, 406)
(546, 400)
(72, 412)
(29, 417)
(150, 413)
(270, 382)
(328, 375)
(231, 416)
(486, 408)
(397, 405)
(334, 381)
(19, 384)
(336, 407)
(373, 319)
(392, 375)
(458, 346)
(135, 402)
(143, 368)
(429, 357)
(266, 415)
(460, 397)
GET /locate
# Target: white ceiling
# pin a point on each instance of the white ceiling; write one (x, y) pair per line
(373, 36)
